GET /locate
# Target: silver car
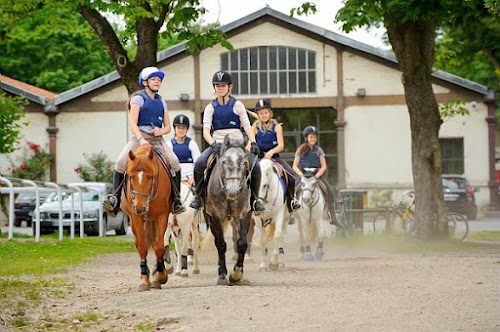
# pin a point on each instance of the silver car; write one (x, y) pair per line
(49, 211)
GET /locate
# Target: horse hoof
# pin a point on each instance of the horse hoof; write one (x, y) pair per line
(178, 273)
(196, 271)
(309, 257)
(263, 269)
(156, 284)
(319, 255)
(184, 273)
(273, 267)
(143, 288)
(281, 265)
(222, 281)
(235, 276)
(170, 270)
(248, 258)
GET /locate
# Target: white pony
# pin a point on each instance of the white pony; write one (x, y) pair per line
(272, 222)
(312, 216)
(184, 230)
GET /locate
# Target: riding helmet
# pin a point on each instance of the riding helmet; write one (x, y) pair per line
(309, 130)
(263, 103)
(149, 72)
(181, 120)
(222, 77)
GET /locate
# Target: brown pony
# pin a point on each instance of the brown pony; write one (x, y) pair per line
(147, 203)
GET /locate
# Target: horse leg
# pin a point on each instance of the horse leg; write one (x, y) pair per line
(262, 239)
(160, 274)
(321, 234)
(237, 273)
(217, 231)
(185, 225)
(166, 258)
(251, 230)
(142, 248)
(278, 241)
(235, 240)
(178, 244)
(195, 242)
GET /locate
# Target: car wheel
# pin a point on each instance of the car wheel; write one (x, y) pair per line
(122, 230)
(17, 223)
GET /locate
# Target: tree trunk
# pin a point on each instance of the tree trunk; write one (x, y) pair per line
(413, 43)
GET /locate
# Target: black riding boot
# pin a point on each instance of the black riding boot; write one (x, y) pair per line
(256, 203)
(177, 206)
(112, 201)
(196, 203)
(292, 204)
(333, 216)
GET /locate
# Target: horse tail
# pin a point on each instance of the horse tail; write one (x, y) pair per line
(150, 232)
(207, 252)
(269, 233)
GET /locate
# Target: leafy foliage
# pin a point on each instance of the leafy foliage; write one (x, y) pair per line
(53, 47)
(449, 110)
(11, 113)
(33, 165)
(96, 168)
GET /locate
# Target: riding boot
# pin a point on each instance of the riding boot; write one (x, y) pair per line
(112, 202)
(292, 204)
(199, 182)
(177, 206)
(256, 203)
(333, 216)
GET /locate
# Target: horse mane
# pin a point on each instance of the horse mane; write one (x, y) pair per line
(141, 160)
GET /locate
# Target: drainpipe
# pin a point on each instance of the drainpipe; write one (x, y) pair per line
(491, 119)
(51, 111)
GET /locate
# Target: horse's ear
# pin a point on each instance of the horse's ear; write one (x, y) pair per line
(150, 154)
(227, 140)
(131, 155)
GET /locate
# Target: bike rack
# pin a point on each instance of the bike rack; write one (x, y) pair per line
(72, 217)
(59, 194)
(11, 206)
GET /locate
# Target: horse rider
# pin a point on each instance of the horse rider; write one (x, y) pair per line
(310, 155)
(184, 147)
(225, 115)
(148, 121)
(269, 138)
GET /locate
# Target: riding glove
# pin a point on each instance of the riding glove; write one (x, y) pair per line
(254, 148)
(216, 147)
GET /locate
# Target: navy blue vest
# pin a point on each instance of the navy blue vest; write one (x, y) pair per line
(267, 139)
(310, 159)
(182, 150)
(152, 111)
(224, 117)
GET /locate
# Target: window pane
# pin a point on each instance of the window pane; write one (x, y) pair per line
(302, 59)
(236, 85)
(273, 82)
(253, 58)
(244, 59)
(244, 84)
(312, 81)
(312, 60)
(283, 82)
(254, 84)
(328, 142)
(292, 60)
(262, 58)
(452, 150)
(263, 83)
(224, 61)
(292, 82)
(282, 58)
(272, 58)
(302, 82)
(234, 60)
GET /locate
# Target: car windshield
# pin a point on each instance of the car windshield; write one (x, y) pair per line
(30, 196)
(88, 196)
(54, 197)
(454, 183)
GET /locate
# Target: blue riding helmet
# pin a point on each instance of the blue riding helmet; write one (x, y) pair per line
(149, 72)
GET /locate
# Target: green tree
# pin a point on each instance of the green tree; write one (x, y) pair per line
(411, 29)
(53, 47)
(11, 113)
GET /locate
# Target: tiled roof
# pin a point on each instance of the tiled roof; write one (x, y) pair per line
(31, 92)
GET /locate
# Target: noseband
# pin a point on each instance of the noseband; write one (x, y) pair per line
(313, 191)
(149, 196)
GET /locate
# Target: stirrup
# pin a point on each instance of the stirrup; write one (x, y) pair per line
(196, 203)
(258, 206)
(180, 208)
(110, 204)
(295, 206)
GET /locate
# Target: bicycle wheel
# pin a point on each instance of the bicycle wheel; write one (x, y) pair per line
(380, 223)
(458, 225)
(402, 222)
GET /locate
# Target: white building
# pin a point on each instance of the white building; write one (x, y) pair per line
(351, 91)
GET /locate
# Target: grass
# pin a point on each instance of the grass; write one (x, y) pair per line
(148, 326)
(485, 236)
(26, 265)
(400, 244)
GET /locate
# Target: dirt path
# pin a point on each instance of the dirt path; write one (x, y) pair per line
(351, 289)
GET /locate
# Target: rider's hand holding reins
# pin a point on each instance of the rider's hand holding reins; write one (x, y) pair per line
(216, 147)
(254, 149)
(143, 141)
(268, 155)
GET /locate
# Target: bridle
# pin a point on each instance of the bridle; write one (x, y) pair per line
(313, 192)
(242, 183)
(150, 196)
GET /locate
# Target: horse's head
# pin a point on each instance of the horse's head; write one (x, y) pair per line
(309, 185)
(267, 172)
(142, 173)
(233, 167)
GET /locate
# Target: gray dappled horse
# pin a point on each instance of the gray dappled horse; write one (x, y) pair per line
(228, 197)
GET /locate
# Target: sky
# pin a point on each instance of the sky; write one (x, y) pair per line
(226, 11)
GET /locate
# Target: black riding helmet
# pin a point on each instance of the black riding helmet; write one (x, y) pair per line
(309, 130)
(263, 103)
(181, 120)
(222, 77)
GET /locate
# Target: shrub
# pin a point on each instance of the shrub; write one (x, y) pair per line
(33, 165)
(96, 168)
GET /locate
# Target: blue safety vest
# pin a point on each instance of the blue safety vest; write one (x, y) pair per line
(224, 116)
(310, 159)
(182, 150)
(152, 111)
(266, 139)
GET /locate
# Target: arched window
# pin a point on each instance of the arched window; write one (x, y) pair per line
(269, 70)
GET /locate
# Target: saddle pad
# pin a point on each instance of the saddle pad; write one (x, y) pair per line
(165, 164)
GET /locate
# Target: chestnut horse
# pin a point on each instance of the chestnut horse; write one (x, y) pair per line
(147, 203)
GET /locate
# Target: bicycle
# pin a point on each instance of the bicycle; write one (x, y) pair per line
(344, 220)
(458, 225)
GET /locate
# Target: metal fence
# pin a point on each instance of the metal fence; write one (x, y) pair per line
(16, 186)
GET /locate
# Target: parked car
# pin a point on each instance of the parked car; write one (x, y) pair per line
(49, 212)
(24, 205)
(459, 195)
